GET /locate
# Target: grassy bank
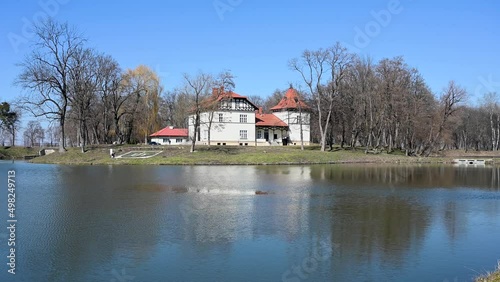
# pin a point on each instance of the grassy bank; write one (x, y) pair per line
(229, 155)
(491, 276)
(8, 153)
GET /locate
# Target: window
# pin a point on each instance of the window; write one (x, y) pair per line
(243, 119)
(243, 134)
(241, 104)
(221, 117)
(259, 134)
(178, 140)
(166, 140)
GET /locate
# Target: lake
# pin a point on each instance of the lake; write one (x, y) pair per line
(252, 223)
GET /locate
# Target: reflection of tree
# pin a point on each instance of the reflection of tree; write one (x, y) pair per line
(96, 219)
(373, 228)
(384, 228)
(455, 220)
(409, 176)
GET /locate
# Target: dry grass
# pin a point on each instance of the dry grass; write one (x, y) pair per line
(490, 276)
(17, 152)
(229, 155)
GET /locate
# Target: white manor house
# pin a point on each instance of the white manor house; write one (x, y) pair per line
(235, 120)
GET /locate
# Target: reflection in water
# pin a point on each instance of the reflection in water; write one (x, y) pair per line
(378, 231)
(97, 216)
(382, 223)
(425, 176)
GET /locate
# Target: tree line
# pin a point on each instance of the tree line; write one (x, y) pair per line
(355, 102)
(387, 106)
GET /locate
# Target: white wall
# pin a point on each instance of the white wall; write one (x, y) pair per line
(173, 140)
(227, 131)
(292, 119)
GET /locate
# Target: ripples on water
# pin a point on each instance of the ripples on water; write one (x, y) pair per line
(255, 223)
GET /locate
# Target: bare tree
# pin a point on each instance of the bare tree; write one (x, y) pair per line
(46, 70)
(33, 133)
(297, 100)
(52, 133)
(223, 86)
(174, 109)
(83, 87)
(490, 103)
(450, 98)
(271, 100)
(108, 87)
(323, 72)
(198, 88)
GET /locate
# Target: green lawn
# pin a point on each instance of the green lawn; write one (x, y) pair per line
(16, 152)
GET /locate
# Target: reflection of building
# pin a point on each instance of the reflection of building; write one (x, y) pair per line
(232, 119)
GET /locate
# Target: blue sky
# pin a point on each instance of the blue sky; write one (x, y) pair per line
(445, 40)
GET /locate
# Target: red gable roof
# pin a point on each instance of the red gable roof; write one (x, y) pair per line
(268, 120)
(171, 132)
(289, 101)
(221, 94)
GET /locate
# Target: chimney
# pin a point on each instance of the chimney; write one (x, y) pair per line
(260, 111)
(171, 127)
(218, 91)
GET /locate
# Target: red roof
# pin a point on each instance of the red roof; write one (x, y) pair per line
(289, 101)
(268, 120)
(221, 94)
(171, 132)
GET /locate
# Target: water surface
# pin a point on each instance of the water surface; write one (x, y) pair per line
(206, 223)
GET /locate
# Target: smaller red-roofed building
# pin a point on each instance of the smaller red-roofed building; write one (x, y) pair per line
(171, 136)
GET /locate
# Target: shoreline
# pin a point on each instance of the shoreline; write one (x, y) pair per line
(493, 276)
(216, 155)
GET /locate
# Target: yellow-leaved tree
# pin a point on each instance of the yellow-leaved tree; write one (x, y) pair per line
(143, 87)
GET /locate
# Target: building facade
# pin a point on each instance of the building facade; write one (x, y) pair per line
(235, 120)
(170, 136)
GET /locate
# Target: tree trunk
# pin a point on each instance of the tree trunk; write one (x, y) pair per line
(210, 120)
(62, 147)
(493, 131)
(196, 128)
(301, 132)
